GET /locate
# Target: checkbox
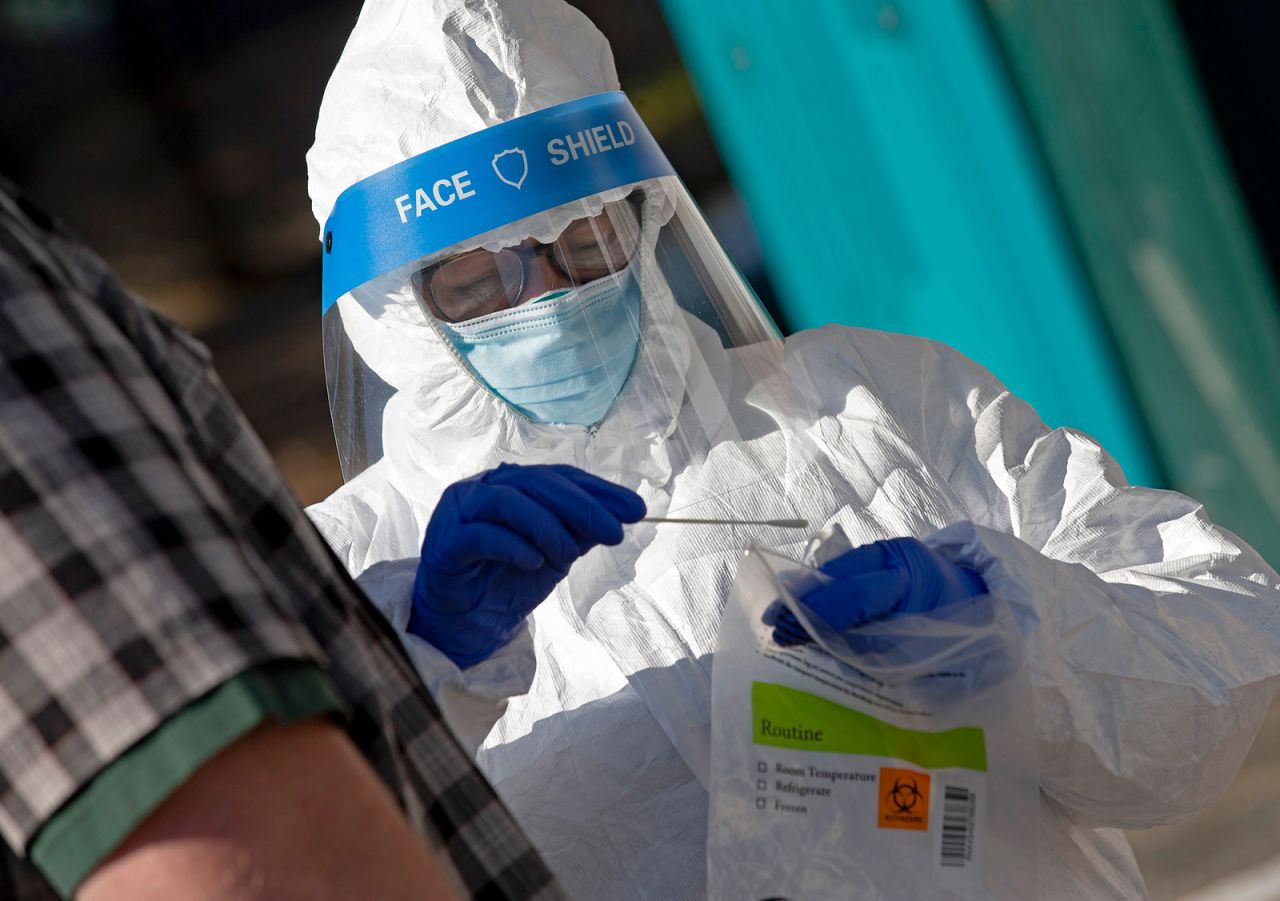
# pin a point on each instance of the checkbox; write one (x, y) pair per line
(762, 767)
(760, 803)
(762, 785)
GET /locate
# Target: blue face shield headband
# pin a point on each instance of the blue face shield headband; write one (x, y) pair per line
(481, 182)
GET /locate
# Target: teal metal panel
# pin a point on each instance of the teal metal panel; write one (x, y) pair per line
(1112, 95)
(892, 182)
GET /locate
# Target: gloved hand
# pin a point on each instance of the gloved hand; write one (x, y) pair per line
(498, 543)
(899, 575)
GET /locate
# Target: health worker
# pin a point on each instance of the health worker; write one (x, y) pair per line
(531, 338)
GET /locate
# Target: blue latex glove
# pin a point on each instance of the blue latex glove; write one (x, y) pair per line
(900, 575)
(498, 543)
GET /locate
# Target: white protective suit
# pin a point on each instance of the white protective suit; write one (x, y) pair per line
(1153, 635)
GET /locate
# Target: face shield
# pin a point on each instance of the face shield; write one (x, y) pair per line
(541, 291)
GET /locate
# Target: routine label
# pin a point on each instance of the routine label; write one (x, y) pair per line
(818, 759)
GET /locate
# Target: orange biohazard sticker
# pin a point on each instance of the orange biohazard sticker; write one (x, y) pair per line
(904, 799)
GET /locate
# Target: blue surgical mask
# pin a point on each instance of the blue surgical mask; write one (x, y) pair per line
(562, 358)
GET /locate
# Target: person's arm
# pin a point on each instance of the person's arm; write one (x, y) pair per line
(162, 595)
(1153, 635)
(285, 812)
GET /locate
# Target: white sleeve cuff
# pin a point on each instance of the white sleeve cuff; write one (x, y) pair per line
(473, 699)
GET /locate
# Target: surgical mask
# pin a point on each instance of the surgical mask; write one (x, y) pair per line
(561, 358)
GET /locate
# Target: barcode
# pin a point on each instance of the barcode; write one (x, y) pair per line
(957, 826)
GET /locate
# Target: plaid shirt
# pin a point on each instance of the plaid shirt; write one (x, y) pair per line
(149, 551)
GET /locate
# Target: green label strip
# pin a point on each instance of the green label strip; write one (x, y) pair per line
(787, 718)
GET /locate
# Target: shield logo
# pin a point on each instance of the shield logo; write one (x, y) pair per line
(511, 166)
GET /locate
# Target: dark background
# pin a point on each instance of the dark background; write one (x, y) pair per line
(172, 135)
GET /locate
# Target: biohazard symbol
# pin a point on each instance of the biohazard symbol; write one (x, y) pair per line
(904, 799)
(905, 794)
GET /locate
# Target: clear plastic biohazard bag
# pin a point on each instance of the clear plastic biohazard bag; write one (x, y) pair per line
(892, 761)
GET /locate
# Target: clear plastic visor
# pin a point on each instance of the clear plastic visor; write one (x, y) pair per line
(635, 270)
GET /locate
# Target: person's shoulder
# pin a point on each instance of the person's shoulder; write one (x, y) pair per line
(868, 350)
(18, 210)
(871, 340)
(40, 256)
(367, 488)
(364, 504)
(36, 240)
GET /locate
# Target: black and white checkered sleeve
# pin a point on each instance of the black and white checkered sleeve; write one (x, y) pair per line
(149, 551)
(126, 590)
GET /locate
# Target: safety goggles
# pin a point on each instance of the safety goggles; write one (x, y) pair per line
(480, 282)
